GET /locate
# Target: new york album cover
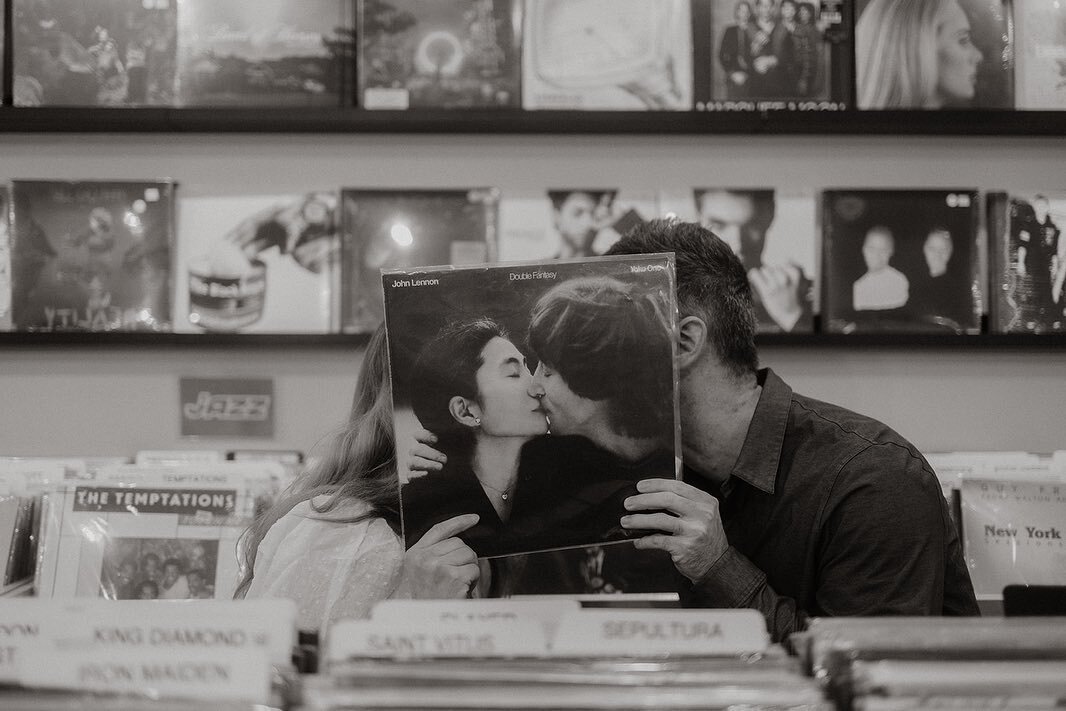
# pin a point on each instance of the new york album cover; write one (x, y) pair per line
(601, 55)
(94, 52)
(947, 54)
(570, 222)
(257, 264)
(759, 55)
(1040, 55)
(775, 235)
(91, 256)
(1027, 260)
(443, 54)
(550, 387)
(901, 260)
(285, 53)
(402, 229)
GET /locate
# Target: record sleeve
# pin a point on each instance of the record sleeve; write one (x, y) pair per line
(446, 54)
(283, 53)
(762, 56)
(5, 259)
(570, 222)
(400, 229)
(1040, 66)
(1027, 261)
(607, 55)
(489, 359)
(972, 65)
(91, 256)
(257, 264)
(775, 234)
(901, 261)
(94, 53)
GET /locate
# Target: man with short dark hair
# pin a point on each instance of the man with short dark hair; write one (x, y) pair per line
(791, 506)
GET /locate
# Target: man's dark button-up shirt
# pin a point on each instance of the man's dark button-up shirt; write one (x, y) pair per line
(830, 513)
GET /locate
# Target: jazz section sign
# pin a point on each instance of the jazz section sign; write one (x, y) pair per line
(227, 407)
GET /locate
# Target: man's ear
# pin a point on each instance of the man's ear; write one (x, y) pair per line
(692, 340)
(464, 411)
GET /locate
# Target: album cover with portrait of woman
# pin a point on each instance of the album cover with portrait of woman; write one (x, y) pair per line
(901, 261)
(936, 54)
(1040, 55)
(550, 387)
(450, 54)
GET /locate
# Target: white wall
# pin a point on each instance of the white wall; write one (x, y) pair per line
(104, 401)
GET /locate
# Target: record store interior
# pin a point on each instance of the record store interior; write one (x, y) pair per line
(532, 354)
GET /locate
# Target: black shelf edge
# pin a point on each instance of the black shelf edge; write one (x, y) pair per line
(63, 120)
(933, 341)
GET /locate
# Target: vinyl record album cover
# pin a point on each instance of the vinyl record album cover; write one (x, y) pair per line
(91, 256)
(285, 53)
(775, 234)
(1027, 259)
(596, 55)
(570, 222)
(764, 55)
(257, 264)
(401, 229)
(551, 388)
(5, 259)
(938, 54)
(1040, 55)
(94, 52)
(443, 54)
(901, 260)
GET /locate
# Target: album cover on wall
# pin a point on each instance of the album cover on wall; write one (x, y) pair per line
(5, 259)
(596, 55)
(934, 55)
(257, 264)
(901, 260)
(562, 369)
(94, 52)
(445, 54)
(91, 256)
(285, 53)
(401, 229)
(1040, 55)
(763, 55)
(570, 222)
(1027, 261)
(775, 234)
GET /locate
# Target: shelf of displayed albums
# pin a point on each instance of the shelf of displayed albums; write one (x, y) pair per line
(513, 121)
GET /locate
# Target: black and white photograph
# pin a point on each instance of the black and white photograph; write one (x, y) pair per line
(94, 52)
(401, 229)
(783, 54)
(607, 55)
(549, 386)
(901, 261)
(775, 235)
(91, 256)
(1040, 56)
(1027, 251)
(159, 569)
(938, 54)
(451, 54)
(284, 53)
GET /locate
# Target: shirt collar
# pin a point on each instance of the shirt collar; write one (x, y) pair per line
(761, 454)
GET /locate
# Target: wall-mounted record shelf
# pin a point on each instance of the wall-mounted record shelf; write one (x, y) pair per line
(259, 120)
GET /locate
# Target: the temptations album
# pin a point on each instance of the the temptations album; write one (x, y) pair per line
(901, 260)
(402, 229)
(94, 52)
(1027, 261)
(1040, 55)
(257, 264)
(775, 234)
(551, 388)
(91, 256)
(5, 260)
(570, 222)
(602, 55)
(934, 55)
(765, 55)
(444, 54)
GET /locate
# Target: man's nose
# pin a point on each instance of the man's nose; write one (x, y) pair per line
(535, 390)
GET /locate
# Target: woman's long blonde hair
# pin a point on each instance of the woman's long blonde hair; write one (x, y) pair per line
(896, 53)
(359, 464)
